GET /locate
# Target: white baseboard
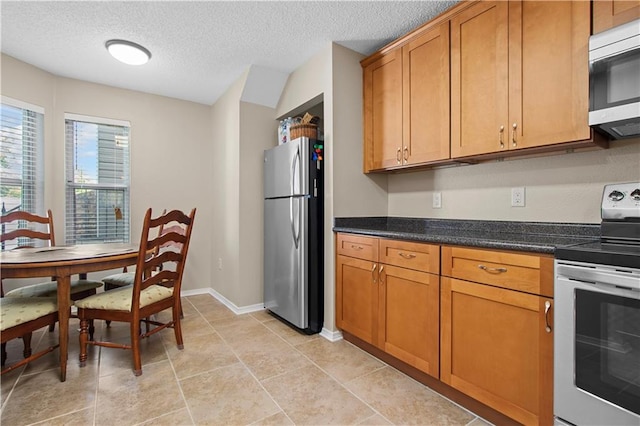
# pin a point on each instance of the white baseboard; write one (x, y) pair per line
(332, 336)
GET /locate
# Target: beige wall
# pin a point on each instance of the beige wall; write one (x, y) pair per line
(159, 127)
(259, 131)
(225, 158)
(559, 188)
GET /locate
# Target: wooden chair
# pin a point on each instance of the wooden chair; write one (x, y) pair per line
(23, 236)
(20, 317)
(156, 287)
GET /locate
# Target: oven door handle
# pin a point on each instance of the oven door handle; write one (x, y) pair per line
(613, 277)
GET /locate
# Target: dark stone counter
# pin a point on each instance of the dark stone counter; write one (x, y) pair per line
(538, 237)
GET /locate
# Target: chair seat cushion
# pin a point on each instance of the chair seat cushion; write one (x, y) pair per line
(120, 280)
(120, 298)
(19, 310)
(50, 289)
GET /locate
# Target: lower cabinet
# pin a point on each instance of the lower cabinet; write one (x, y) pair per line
(385, 297)
(497, 341)
(480, 321)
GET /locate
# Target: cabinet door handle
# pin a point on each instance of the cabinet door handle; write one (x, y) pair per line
(406, 154)
(513, 134)
(500, 134)
(547, 307)
(355, 247)
(373, 272)
(407, 256)
(381, 276)
(492, 270)
(398, 156)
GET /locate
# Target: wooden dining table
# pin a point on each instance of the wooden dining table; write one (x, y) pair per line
(62, 262)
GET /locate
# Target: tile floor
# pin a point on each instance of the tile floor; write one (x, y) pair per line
(247, 369)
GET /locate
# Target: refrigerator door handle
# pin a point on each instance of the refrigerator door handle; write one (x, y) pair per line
(295, 176)
(292, 217)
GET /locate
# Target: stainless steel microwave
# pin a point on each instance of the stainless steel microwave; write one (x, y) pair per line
(614, 81)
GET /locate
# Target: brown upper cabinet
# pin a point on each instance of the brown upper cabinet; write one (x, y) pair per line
(519, 73)
(610, 13)
(406, 103)
(486, 79)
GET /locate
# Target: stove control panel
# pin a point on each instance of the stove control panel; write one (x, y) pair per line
(621, 201)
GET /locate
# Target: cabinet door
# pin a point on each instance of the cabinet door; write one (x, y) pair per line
(610, 13)
(357, 297)
(548, 73)
(409, 317)
(479, 79)
(494, 348)
(426, 96)
(383, 112)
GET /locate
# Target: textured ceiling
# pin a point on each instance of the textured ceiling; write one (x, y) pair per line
(198, 48)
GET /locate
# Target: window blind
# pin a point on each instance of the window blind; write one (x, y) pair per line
(21, 159)
(97, 175)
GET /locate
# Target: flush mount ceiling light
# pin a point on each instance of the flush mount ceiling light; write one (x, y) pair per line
(128, 52)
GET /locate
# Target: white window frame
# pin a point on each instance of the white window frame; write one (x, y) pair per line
(107, 228)
(31, 180)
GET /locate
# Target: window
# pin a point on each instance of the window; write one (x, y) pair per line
(97, 175)
(21, 157)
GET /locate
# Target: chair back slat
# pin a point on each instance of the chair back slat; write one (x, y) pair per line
(23, 226)
(161, 259)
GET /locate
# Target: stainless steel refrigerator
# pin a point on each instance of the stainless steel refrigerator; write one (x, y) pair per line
(293, 237)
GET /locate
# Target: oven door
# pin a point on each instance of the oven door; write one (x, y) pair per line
(597, 346)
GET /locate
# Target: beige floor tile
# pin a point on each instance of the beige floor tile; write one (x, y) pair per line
(78, 418)
(262, 315)
(375, 420)
(404, 401)
(292, 336)
(124, 399)
(217, 314)
(175, 418)
(340, 359)
(194, 325)
(478, 421)
(226, 396)
(200, 354)
(275, 420)
(114, 360)
(309, 396)
(244, 331)
(202, 301)
(268, 357)
(54, 398)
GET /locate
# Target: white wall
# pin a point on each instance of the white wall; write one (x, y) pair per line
(559, 188)
(160, 126)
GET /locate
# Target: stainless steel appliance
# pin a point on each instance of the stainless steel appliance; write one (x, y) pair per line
(614, 78)
(597, 319)
(293, 233)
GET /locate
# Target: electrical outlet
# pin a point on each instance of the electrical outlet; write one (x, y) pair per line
(437, 200)
(220, 263)
(517, 197)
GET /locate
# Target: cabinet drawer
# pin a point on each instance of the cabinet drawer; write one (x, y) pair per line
(357, 246)
(522, 272)
(417, 256)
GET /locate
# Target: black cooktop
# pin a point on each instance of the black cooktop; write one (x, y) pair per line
(604, 253)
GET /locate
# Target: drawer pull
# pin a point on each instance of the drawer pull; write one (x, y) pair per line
(547, 306)
(355, 247)
(492, 270)
(407, 256)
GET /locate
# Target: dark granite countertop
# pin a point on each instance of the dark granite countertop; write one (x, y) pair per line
(538, 237)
